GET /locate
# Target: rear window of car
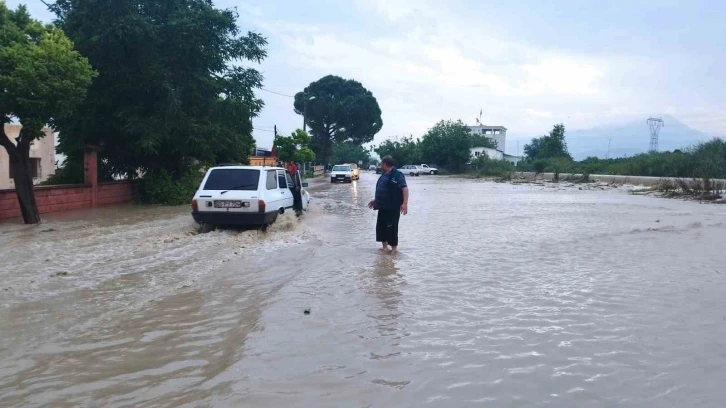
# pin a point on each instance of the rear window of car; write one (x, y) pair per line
(232, 179)
(341, 168)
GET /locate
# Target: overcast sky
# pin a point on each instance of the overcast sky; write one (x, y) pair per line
(526, 64)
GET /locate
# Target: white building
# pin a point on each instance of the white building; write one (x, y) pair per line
(499, 134)
(42, 157)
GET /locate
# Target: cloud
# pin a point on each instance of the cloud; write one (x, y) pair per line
(425, 63)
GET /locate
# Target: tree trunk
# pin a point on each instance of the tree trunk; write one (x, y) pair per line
(20, 163)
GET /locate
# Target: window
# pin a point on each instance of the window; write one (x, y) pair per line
(233, 179)
(341, 168)
(289, 179)
(271, 180)
(34, 168)
(281, 180)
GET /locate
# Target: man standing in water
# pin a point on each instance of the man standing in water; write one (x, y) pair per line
(391, 201)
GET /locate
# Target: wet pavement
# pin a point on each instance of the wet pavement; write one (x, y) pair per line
(502, 295)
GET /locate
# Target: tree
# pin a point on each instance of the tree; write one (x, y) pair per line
(348, 152)
(549, 146)
(42, 78)
(337, 111)
(294, 148)
(403, 151)
(483, 141)
(171, 90)
(447, 144)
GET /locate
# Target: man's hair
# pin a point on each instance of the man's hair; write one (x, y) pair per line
(388, 161)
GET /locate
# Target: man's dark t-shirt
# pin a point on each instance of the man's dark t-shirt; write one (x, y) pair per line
(389, 190)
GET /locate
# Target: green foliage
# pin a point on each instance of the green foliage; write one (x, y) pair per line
(305, 155)
(337, 111)
(448, 144)
(348, 152)
(706, 160)
(171, 90)
(552, 145)
(41, 76)
(485, 166)
(483, 141)
(162, 188)
(295, 147)
(404, 151)
(70, 173)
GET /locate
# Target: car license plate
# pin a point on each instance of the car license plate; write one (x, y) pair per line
(228, 204)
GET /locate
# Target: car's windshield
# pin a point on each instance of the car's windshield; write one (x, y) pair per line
(232, 179)
(341, 168)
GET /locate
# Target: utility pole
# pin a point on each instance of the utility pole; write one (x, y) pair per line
(275, 131)
(655, 125)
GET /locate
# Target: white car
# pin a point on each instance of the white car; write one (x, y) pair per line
(425, 169)
(342, 172)
(411, 170)
(246, 196)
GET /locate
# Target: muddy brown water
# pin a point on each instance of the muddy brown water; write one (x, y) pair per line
(501, 296)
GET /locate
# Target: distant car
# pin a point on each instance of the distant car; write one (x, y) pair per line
(341, 172)
(425, 169)
(354, 169)
(411, 170)
(379, 170)
(372, 168)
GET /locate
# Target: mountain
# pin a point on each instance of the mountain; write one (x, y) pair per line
(626, 139)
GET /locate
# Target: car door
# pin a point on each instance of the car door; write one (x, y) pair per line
(284, 182)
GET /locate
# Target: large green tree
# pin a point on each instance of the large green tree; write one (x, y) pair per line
(171, 88)
(42, 78)
(338, 110)
(404, 151)
(447, 144)
(549, 146)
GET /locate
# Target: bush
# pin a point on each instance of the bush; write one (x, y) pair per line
(484, 166)
(70, 173)
(160, 188)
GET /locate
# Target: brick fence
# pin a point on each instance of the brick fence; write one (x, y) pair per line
(69, 197)
(72, 197)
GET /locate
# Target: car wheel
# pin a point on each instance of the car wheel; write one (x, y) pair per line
(206, 228)
(432, 172)
(281, 211)
(413, 174)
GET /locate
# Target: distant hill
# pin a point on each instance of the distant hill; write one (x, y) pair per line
(628, 139)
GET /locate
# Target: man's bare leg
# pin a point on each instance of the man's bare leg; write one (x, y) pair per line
(384, 246)
(394, 250)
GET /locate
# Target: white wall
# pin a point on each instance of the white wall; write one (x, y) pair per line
(491, 153)
(501, 137)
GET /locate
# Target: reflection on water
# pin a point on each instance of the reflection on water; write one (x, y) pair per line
(512, 296)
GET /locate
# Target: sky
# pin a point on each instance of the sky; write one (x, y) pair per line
(522, 64)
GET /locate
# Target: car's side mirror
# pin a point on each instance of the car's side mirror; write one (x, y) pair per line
(304, 184)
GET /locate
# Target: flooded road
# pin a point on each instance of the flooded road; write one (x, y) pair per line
(502, 295)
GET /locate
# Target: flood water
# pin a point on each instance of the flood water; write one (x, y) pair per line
(501, 296)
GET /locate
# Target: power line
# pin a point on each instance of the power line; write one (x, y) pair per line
(264, 130)
(277, 93)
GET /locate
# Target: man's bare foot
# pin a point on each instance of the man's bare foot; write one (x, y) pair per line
(384, 248)
(394, 250)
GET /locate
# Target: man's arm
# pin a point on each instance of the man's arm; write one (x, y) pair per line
(404, 206)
